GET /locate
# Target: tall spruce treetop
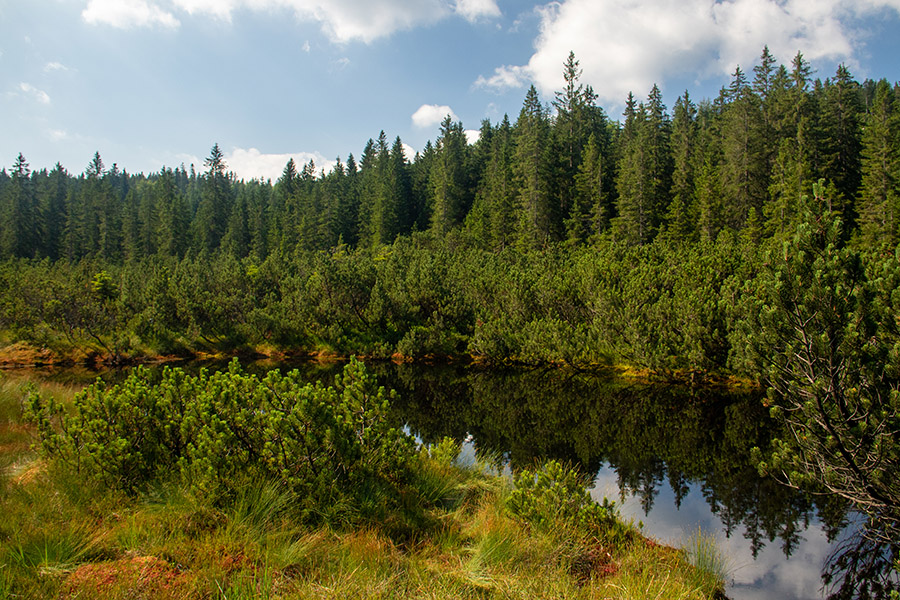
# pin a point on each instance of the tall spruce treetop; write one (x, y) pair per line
(531, 167)
(214, 205)
(95, 168)
(879, 201)
(17, 211)
(574, 124)
(448, 178)
(682, 218)
(841, 111)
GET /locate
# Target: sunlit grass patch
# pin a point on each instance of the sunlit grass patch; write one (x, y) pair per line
(439, 527)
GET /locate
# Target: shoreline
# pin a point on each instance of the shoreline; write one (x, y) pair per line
(21, 355)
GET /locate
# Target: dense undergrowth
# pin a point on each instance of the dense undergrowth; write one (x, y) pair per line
(98, 513)
(664, 307)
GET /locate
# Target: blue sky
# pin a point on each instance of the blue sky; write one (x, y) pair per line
(152, 83)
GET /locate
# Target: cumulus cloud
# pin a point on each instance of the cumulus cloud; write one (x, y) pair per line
(39, 95)
(125, 14)
(628, 45)
(341, 20)
(55, 66)
(221, 9)
(429, 115)
(473, 10)
(408, 151)
(252, 164)
(472, 135)
(504, 77)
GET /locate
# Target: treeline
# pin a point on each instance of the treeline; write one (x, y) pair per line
(738, 162)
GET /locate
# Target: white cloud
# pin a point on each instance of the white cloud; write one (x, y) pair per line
(472, 135)
(628, 45)
(58, 135)
(341, 20)
(55, 66)
(408, 151)
(39, 95)
(503, 78)
(306, 48)
(429, 115)
(125, 14)
(253, 164)
(220, 9)
(473, 10)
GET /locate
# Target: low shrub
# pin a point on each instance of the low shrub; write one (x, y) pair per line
(332, 447)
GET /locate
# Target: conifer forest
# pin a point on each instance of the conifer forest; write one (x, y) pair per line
(752, 235)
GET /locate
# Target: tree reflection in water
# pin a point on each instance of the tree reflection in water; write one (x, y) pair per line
(650, 436)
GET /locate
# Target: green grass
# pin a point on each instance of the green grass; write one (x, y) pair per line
(62, 537)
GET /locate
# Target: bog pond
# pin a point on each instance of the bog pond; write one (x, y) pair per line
(675, 458)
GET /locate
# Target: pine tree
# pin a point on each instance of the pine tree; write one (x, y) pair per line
(215, 201)
(743, 169)
(645, 169)
(576, 119)
(52, 204)
(18, 212)
(681, 220)
(172, 216)
(878, 202)
(535, 227)
(841, 112)
(236, 240)
(369, 181)
(282, 232)
(492, 219)
(765, 86)
(793, 170)
(591, 211)
(448, 179)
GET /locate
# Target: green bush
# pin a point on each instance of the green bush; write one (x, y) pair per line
(554, 497)
(330, 446)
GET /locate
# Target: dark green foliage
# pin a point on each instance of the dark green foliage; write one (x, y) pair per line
(332, 447)
(738, 162)
(553, 497)
(821, 327)
(878, 205)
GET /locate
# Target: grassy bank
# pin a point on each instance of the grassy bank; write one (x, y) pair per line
(456, 530)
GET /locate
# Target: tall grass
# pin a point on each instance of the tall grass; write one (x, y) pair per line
(711, 565)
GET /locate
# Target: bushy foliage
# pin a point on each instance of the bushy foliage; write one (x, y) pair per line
(331, 446)
(554, 496)
(823, 331)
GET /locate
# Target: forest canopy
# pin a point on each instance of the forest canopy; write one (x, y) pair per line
(560, 173)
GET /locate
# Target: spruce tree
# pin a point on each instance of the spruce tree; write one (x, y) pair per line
(591, 211)
(448, 178)
(215, 201)
(743, 169)
(645, 169)
(841, 113)
(535, 226)
(18, 212)
(879, 195)
(681, 219)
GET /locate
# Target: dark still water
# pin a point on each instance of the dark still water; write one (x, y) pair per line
(675, 458)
